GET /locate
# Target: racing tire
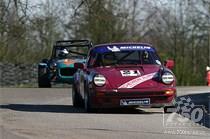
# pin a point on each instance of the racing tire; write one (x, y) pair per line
(87, 105)
(43, 80)
(75, 98)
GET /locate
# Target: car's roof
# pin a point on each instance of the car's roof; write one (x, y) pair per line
(123, 43)
(114, 47)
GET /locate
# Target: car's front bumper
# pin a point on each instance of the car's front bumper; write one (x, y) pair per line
(59, 79)
(64, 74)
(112, 98)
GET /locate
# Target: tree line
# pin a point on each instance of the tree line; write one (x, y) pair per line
(178, 29)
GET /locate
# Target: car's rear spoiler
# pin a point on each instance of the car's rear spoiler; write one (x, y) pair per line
(74, 43)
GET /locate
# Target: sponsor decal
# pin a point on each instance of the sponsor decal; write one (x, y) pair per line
(186, 118)
(129, 47)
(113, 49)
(126, 73)
(127, 102)
(135, 47)
(138, 80)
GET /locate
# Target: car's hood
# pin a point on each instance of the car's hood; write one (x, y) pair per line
(139, 76)
(68, 62)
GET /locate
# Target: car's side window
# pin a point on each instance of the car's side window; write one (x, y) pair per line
(156, 58)
(147, 58)
(91, 60)
(150, 58)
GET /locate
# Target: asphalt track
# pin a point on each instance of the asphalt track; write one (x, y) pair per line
(48, 114)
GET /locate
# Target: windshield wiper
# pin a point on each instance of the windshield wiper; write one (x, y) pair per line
(124, 57)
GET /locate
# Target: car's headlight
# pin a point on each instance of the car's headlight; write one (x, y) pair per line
(99, 80)
(167, 78)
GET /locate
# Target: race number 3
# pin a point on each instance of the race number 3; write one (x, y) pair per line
(130, 73)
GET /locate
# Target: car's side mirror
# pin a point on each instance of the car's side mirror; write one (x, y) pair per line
(169, 64)
(79, 65)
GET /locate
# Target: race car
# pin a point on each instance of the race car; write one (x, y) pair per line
(60, 67)
(124, 75)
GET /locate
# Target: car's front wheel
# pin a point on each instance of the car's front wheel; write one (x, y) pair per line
(87, 103)
(75, 98)
(43, 79)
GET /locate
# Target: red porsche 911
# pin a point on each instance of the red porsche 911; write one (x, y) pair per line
(123, 75)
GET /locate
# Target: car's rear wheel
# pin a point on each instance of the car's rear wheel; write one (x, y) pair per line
(76, 98)
(43, 80)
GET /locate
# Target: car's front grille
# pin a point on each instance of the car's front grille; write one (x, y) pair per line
(67, 71)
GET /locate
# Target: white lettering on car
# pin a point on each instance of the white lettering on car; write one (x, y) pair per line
(113, 49)
(138, 80)
(134, 47)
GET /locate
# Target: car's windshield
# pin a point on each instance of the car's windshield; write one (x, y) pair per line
(124, 57)
(70, 52)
